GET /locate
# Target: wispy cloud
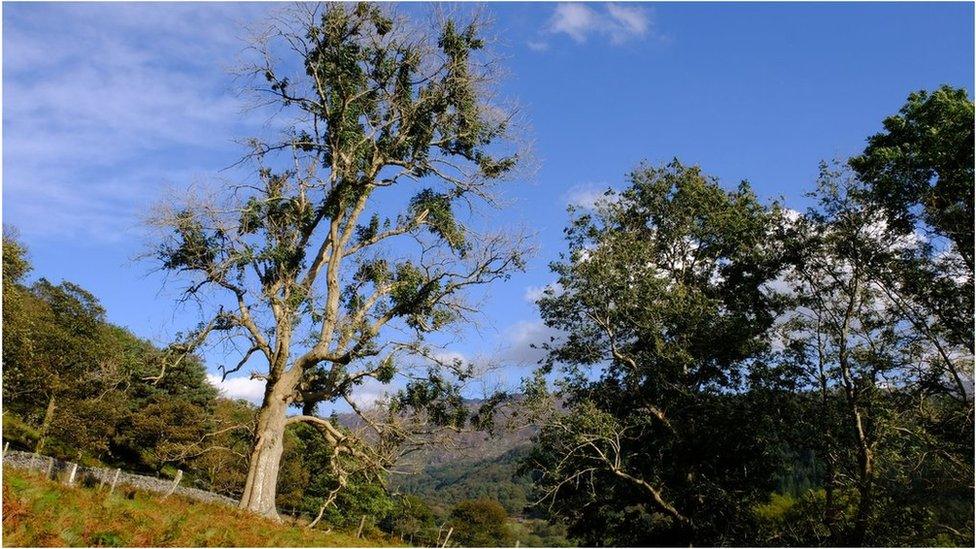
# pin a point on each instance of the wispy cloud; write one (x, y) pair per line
(616, 23)
(534, 293)
(627, 22)
(370, 393)
(585, 195)
(524, 340)
(104, 104)
(576, 20)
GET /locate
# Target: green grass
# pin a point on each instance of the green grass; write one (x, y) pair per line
(40, 512)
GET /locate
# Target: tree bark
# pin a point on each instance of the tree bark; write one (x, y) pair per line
(866, 498)
(46, 424)
(865, 453)
(261, 486)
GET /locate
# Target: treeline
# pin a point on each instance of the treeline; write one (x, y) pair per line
(79, 388)
(737, 373)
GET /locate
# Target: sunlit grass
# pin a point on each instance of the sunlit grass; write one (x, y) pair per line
(40, 512)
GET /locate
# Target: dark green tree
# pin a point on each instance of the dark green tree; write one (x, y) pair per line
(662, 304)
(480, 523)
(920, 168)
(889, 382)
(413, 520)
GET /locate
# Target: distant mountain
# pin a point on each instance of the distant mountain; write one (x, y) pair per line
(472, 464)
(445, 484)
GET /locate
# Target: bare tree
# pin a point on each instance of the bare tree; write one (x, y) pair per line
(349, 246)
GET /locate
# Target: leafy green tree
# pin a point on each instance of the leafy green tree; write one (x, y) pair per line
(480, 523)
(662, 306)
(413, 520)
(20, 311)
(874, 366)
(88, 386)
(16, 265)
(921, 167)
(919, 172)
(67, 346)
(218, 461)
(313, 266)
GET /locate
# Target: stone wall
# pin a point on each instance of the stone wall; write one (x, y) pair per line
(98, 476)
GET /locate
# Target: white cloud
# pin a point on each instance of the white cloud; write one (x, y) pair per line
(239, 387)
(630, 21)
(369, 393)
(521, 337)
(617, 23)
(534, 293)
(537, 45)
(576, 20)
(585, 196)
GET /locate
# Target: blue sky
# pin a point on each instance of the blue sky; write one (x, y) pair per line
(108, 108)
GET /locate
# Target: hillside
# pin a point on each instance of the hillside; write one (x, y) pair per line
(472, 465)
(40, 512)
(452, 481)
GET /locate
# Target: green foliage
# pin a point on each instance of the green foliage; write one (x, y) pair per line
(888, 385)
(539, 533)
(439, 219)
(687, 395)
(413, 520)
(15, 262)
(662, 307)
(462, 479)
(480, 523)
(310, 475)
(921, 167)
(437, 396)
(82, 389)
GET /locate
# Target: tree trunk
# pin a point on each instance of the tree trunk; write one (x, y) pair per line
(866, 499)
(46, 424)
(262, 473)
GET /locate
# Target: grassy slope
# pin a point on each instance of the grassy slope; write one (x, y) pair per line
(39, 512)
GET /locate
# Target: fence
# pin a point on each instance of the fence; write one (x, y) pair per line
(72, 473)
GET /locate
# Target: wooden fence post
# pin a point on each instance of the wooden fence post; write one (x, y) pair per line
(71, 475)
(114, 480)
(50, 468)
(176, 482)
(448, 537)
(362, 521)
(6, 446)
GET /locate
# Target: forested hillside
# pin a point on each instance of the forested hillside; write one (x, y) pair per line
(453, 481)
